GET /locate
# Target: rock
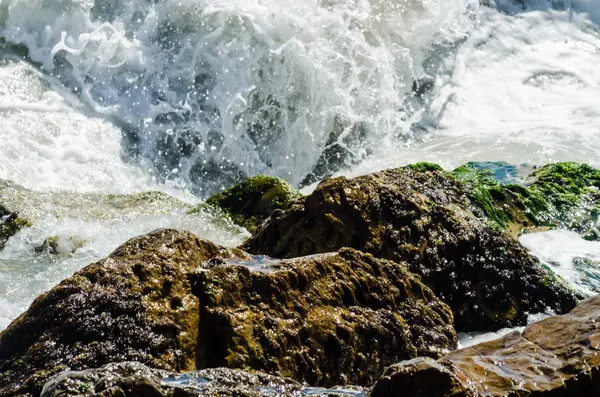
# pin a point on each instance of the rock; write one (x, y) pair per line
(558, 356)
(134, 305)
(251, 202)
(422, 87)
(38, 205)
(564, 195)
(174, 302)
(326, 320)
(419, 377)
(344, 148)
(421, 215)
(10, 224)
(60, 245)
(130, 379)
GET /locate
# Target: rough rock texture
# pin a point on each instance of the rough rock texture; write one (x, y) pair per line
(174, 302)
(131, 379)
(134, 305)
(326, 320)
(251, 202)
(421, 215)
(556, 357)
(419, 377)
(10, 224)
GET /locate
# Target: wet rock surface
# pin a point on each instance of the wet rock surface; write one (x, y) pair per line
(57, 245)
(558, 356)
(423, 216)
(172, 301)
(131, 379)
(134, 305)
(10, 224)
(325, 320)
(250, 202)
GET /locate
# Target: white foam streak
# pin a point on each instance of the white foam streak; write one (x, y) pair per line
(49, 144)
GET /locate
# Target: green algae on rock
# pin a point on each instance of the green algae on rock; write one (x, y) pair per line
(250, 202)
(10, 224)
(424, 166)
(555, 195)
(558, 356)
(172, 301)
(421, 215)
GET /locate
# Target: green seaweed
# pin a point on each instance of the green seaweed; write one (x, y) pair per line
(424, 167)
(252, 201)
(555, 195)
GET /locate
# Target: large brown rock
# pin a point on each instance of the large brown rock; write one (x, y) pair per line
(172, 301)
(134, 305)
(556, 357)
(421, 215)
(327, 319)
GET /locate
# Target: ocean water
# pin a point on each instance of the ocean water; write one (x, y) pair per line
(185, 97)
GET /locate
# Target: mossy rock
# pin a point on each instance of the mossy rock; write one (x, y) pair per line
(10, 224)
(251, 202)
(122, 308)
(424, 166)
(510, 206)
(329, 319)
(424, 216)
(555, 195)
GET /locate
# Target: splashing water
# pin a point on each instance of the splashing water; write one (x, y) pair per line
(189, 96)
(566, 253)
(213, 91)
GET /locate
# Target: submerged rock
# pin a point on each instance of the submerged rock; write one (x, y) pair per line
(131, 379)
(38, 205)
(251, 202)
(172, 301)
(558, 356)
(10, 224)
(60, 245)
(421, 215)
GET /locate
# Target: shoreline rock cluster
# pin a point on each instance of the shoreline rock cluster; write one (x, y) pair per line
(377, 275)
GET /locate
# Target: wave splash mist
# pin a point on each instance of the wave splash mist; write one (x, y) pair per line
(210, 92)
